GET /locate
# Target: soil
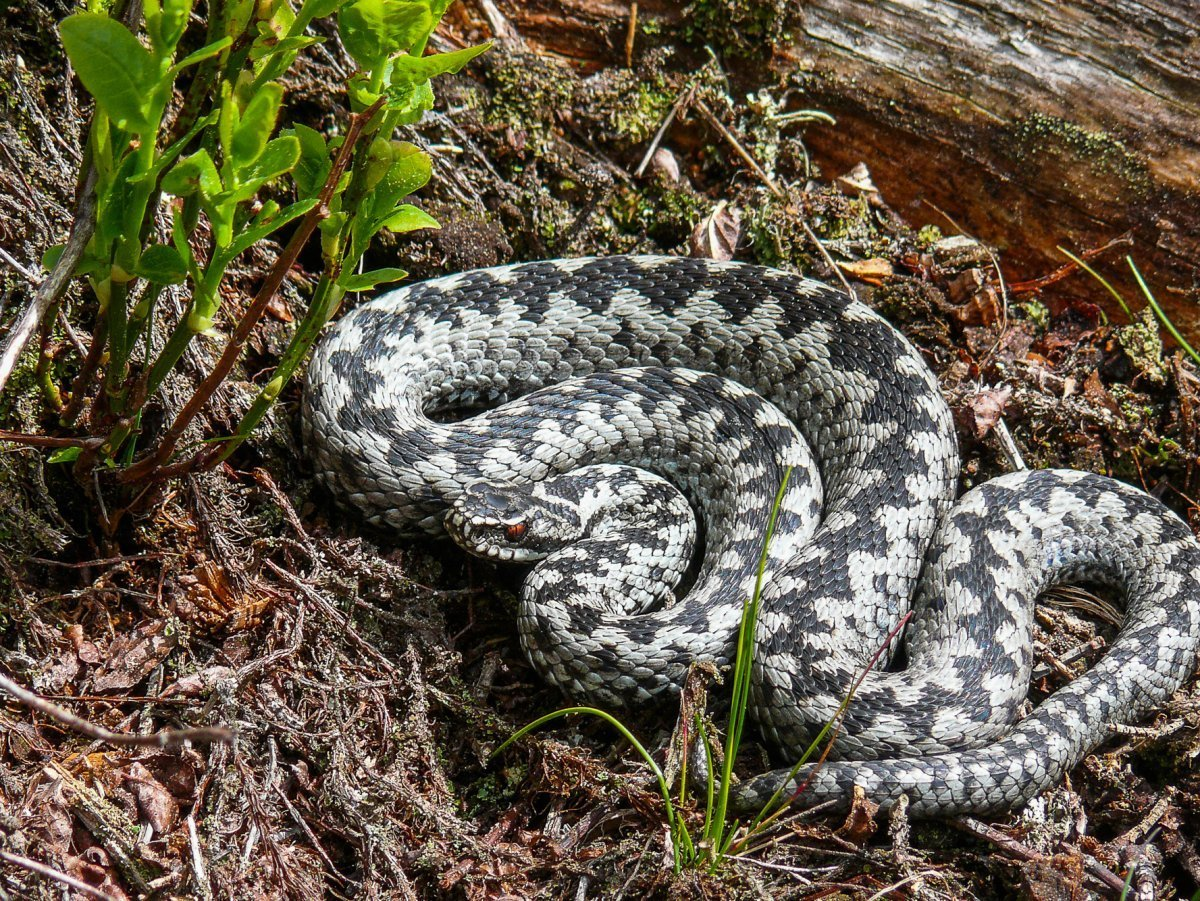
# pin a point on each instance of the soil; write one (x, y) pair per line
(368, 681)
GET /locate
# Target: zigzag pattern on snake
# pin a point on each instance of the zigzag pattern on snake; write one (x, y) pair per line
(718, 377)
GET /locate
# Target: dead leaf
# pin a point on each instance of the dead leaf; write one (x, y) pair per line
(198, 684)
(62, 671)
(1056, 878)
(973, 299)
(279, 309)
(858, 182)
(24, 742)
(176, 771)
(132, 658)
(217, 602)
(716, 236)
(873, 271)
(665, 164)
(94, 868)
(155, 804)
(965, 284)
(983, 410)
(959, 252)
(1097, 394)
(85, 650)
(860, 824)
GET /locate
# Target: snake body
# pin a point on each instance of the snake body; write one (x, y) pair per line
(718, 378)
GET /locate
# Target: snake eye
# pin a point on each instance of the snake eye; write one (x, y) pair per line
(515, 531)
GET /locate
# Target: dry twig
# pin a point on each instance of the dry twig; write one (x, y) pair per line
(165, 739)
(57, 875)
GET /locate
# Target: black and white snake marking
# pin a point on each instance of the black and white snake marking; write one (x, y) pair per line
(695, 371)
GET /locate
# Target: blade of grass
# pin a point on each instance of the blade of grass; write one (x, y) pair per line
(680, 837)
(715, 826)
(1098, 277)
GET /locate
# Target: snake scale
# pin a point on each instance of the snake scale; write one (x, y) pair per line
(676, 384)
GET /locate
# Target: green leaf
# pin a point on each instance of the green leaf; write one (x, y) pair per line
(253, 235)
(238, 14)
(379, 163)
(317, 9)
(116, 203)
(409, 101)
(257, 123)
(373, 30)
(266, 46)
(331, 228)
(414, 69)
(360, 91)
(279, 158)
(161, 264)
(168, 26)
(365, 281)
(52, 255)
(66, 455)
(191, 174)
(411, 170)
(114, 66)
(314, 164)
(206, 52)
(408, 218)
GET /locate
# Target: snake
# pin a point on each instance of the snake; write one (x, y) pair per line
(608, 419)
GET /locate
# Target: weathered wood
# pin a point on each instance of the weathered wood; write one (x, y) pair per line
(1032, 124)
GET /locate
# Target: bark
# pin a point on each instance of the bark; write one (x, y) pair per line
(1030, 123)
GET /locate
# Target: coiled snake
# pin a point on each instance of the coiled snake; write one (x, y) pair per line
(694, 372)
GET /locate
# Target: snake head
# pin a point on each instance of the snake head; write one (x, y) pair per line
(507, 522)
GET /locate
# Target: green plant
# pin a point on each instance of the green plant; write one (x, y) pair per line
(719, 837)
(202, 129)
(1146, 292)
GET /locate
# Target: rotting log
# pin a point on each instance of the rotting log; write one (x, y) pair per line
(1030, 124)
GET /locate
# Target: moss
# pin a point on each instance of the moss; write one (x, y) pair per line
(528, 91)
(1036, 313)
(739, 27)
(1107, 156)
(626, 106)
(928, 236)
(651, 27)
(496, 790)
(664, 211)
(1142, 342)
(20, 402)
(775, 228)
(649, 107)
(1135, 407)
(31, 525)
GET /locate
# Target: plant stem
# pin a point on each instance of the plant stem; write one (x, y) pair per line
(83, 379)
(44, 440)
(157, 456)
(326, 299)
